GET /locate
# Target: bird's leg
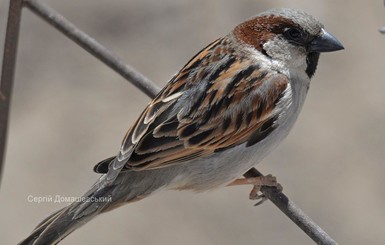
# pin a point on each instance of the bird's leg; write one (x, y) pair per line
(257, 183)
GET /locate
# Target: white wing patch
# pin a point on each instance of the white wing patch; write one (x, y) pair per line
(172, 97)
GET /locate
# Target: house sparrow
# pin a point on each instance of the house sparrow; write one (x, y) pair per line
(221, 114)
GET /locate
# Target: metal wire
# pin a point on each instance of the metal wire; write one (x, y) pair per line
(144, 84)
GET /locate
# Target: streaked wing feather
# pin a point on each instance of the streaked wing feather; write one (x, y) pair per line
(212, 104)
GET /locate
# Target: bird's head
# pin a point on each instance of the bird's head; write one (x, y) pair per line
(288, 35)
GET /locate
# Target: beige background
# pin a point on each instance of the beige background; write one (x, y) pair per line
(69, 111)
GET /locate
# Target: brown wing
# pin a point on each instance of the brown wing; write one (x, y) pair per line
(213, 103)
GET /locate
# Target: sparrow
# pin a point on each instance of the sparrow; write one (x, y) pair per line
(221, 114)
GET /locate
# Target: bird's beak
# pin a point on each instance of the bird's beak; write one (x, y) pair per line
(325, 42)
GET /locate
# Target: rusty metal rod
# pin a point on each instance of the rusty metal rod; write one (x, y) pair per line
(314, 231)
(8, 71)
(92, 46)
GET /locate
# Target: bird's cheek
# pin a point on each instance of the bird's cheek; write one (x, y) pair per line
(273, 49)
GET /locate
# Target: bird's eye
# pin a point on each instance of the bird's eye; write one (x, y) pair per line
(295, 35)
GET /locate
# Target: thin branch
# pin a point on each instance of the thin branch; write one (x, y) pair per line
(8, 71)
(150, 89)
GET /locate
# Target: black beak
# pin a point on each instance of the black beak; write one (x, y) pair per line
(325, 42)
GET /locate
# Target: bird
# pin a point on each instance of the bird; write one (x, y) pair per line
(219, 116)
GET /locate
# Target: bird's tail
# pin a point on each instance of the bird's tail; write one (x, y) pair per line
(61, 223)
(110, 191)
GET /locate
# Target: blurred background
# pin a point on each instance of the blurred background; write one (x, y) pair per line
(69, 111)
